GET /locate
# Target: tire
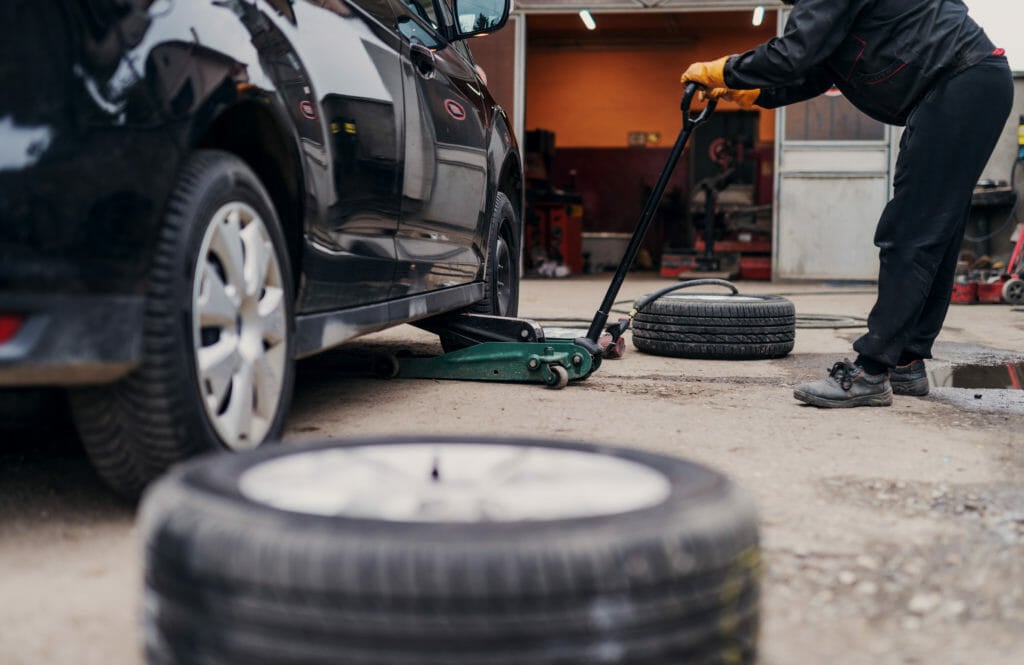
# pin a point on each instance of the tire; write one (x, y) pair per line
(501, 274)
(449, 551)
(722, 327)
(217, 362)
(501, 271)
(1013, 291)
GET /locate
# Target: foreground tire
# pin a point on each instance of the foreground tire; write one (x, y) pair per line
(217, 366)
(501, 275)
(723, 327)
(449, 551)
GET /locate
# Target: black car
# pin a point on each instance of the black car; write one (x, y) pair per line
(196, 193)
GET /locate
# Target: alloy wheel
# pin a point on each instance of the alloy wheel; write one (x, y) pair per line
(239, 326)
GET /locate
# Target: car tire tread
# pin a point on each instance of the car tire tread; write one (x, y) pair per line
(135, 429)
(238, 581)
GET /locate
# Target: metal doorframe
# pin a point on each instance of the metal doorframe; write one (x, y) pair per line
(889, 144)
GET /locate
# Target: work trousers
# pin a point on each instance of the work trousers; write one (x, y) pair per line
(947, 142)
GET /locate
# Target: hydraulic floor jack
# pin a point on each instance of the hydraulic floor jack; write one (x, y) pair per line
(517, 350)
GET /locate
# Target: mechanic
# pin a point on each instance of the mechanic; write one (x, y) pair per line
(924, 64)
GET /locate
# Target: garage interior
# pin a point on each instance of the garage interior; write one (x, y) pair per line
(601, 113)
(597, 112)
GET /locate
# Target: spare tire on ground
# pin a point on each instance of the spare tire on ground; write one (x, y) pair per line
(718, 327)
(449, 551)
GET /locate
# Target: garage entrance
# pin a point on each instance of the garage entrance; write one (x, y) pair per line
(834, 173)
(597, 112)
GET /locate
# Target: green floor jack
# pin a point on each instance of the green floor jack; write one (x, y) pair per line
(517, 350)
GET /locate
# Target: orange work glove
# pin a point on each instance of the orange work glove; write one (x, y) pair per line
(708, 74)
(744, 98)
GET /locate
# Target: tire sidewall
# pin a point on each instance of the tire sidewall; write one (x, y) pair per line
(223, 178)
(684, 571)
(690, 305)
(503, 225)
(757, 327)
(697, 496)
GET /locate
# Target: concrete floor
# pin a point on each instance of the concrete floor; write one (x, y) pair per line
(891, 535)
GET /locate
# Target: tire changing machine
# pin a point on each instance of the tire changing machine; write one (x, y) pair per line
(517, 350)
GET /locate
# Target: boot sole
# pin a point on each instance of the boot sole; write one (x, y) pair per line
(881, 399)
(915, 388)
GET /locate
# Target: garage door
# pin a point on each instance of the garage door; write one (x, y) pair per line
(834, 174)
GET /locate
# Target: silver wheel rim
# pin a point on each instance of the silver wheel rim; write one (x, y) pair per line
(473, 483)
(239, 326)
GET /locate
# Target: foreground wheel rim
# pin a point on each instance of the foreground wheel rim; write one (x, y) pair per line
(504, 276)
(239, 326)
(447, 482)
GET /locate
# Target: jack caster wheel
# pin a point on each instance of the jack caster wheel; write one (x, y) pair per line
(559, 377)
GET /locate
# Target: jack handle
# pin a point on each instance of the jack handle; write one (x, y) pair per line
(690, 122)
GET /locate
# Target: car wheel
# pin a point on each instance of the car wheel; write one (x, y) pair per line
(501, 278)
(449, 551)
(709, 326)
(217, 361)
(501, 274)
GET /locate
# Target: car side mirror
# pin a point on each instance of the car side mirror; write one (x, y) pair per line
(479, 17)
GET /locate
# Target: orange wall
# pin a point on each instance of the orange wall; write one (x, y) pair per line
(595, 98)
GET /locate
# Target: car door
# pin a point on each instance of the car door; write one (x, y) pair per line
(444, 190)
(353, 55)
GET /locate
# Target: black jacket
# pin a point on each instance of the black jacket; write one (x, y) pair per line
(884, 55)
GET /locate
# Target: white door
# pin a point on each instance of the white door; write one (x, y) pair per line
(834, 167)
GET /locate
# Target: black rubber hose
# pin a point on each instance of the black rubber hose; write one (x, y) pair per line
(648, 299)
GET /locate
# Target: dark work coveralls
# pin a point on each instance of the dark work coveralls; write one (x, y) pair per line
(924, 64)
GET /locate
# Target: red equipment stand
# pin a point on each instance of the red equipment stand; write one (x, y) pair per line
(977, 286)
(554, 230)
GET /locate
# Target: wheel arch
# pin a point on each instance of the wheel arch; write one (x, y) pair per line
(506, 165)
(510, 181)
(273, 158)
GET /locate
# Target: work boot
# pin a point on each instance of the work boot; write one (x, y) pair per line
(910, 379)
(847, 385)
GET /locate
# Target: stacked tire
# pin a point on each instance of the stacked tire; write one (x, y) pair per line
(710, 326)
(449, 551)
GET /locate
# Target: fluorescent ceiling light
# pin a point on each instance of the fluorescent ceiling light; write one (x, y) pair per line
(587, 19)
(759, 15)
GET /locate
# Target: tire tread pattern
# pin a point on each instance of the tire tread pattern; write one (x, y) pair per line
(229, 581)
(682, 327)
(135, 429)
